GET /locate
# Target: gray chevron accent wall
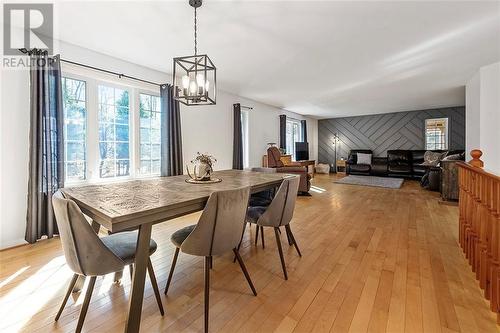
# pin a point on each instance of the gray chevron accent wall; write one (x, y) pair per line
(382, 132)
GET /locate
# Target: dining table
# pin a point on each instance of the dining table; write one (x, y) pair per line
(141, 203)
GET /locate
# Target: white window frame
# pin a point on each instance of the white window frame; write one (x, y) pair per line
(137, 133)
(93, 79)
(446, 136)
(293, 121)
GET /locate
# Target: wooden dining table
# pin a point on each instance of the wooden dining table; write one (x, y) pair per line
(140, 203)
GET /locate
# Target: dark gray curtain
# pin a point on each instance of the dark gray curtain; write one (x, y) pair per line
(46, 148)
(303, 125)
(171, 139)
(237, 138)
(283, 131)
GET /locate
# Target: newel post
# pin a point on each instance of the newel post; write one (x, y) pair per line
(476, 158)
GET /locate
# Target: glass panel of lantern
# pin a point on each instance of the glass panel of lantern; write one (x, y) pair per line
(195, 80)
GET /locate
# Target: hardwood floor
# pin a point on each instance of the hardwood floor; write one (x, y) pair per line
(374, 260)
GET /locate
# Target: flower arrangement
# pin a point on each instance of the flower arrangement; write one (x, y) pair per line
(203, 167)
(204, 159)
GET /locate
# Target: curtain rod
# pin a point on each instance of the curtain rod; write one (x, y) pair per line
(120, 75)
(246, 107)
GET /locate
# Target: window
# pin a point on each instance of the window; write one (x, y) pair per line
(150, 138)
(245, 143)
(436, 134)
(114, 156)
(293, 134)
(111, 127)
(75, 118)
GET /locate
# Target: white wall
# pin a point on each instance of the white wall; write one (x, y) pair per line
(205, 129)
(209, 129)
(483, 115)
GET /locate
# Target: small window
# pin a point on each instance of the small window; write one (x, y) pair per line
(245, 143)
(293, 134)
(149, 136)
(436, 134)
(75, 133)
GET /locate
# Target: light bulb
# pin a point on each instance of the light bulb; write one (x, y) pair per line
(193, 87)
(207, 85)
(185, 81)
(200, 79)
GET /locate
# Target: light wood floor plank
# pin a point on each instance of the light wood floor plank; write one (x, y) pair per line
(374, 260)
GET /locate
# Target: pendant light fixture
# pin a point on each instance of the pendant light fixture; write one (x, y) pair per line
(195, 76)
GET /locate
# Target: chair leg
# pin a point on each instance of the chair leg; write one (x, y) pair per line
(171, 274)
(290, 242)
(257, 234)
(70, 290)
(154, 283)
(292, 238)
(131, 270)
(241, 239)
(262, 236)
(280, 250)
(211, 262)
(245, 272)
(85, 305)
(207, 291)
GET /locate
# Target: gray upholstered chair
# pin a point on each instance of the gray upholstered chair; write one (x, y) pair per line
(278, 214)
(218, 231)
(88, 255)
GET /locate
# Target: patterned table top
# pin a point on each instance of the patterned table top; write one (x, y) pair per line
(127, 204)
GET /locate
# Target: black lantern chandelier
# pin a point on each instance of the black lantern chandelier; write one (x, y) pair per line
(195, 76)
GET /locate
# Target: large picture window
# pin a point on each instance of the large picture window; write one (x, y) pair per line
(150, 139)
(293, 134)
(436, 134)
(75, 128)
(111, 128)
(114, 154)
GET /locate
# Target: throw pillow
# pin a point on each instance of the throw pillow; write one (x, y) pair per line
(364, 158)
(432, 158)
(454, 157)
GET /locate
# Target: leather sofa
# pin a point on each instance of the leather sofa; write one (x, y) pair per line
(274, 161)
(398, 163)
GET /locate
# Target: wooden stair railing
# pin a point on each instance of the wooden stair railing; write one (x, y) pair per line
(479, 225)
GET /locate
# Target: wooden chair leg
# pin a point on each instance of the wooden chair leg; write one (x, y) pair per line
(131, 271)
(292, 238)
(245, 272)
(262, 236)
(85, 305)
(68, 292)
(154, 283)
(280, 250)
(207, 291)
(171, 274)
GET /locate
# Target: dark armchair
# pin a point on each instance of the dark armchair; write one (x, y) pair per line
(352, 166)
(274, 161)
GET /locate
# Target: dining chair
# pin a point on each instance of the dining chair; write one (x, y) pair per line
(278, 214)
(218, 231)
(90, 256)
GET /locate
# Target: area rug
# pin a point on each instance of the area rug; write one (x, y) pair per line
(371, 181)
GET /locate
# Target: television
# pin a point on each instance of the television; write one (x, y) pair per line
(301, 151)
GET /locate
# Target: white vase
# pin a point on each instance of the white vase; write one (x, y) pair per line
(204, 171)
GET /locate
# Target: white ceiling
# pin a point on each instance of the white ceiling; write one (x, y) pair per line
(317, 58)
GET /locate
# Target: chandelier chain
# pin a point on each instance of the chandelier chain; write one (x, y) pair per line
(195, 33)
